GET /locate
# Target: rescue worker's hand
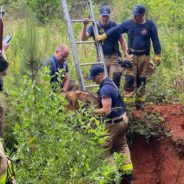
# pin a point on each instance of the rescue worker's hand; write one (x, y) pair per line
(125, 64)
(85, 21)
(5, 46)
(158, 60)
(101, 37)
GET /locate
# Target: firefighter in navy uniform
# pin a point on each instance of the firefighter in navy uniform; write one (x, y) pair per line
(110, 46)
(141, 31)
(113, 110)
(58, 63)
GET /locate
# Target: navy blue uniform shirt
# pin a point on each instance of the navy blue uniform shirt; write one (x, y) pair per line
(55, 67)
(110, 45)
(109, 90)
(139, 35)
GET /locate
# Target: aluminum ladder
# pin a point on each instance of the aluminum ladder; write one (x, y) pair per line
(73, 43)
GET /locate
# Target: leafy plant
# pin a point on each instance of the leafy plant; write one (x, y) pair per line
(150, 124)
(52, 143)
(31, 53)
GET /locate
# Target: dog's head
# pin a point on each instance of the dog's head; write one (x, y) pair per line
(86, 98)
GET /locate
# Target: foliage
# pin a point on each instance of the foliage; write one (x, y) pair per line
(149, 124)
(45, 10)
(31, 47)
(53, 144)
(161, 91)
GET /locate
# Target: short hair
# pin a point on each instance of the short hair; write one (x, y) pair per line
(61, 48)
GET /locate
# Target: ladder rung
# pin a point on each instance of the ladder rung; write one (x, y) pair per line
(80, 20)
(91, 86)
(85, 64)
(73, 42)
(85, 42)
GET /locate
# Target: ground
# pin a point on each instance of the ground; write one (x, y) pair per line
(161, 160)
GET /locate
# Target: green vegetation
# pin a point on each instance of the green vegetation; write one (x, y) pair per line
(50, 143)
(54, 144)
(149, 125)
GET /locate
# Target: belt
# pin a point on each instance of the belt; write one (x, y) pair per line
(115, 121)
(138, 52)
(123, 117)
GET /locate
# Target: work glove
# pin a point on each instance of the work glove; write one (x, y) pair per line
(101, 37)
(125, 64)
(158, 59)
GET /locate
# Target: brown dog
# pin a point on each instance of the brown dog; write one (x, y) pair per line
(86, 98)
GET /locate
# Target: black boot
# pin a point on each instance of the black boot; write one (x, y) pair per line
(139, 105)
(127, 179)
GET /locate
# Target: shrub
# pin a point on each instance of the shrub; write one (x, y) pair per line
(53, 144)
(150, 124)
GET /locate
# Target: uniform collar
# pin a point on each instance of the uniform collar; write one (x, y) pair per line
(56, 61)
(106, 79)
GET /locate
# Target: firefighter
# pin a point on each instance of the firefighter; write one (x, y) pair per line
(3, 72)
(6, 173)
(113, 110)
(59, 71)
(110, 46)
(141, 31)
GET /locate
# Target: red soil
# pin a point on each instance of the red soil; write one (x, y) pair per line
(161, 161)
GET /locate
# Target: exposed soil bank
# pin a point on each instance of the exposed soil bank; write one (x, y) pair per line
(161, 161)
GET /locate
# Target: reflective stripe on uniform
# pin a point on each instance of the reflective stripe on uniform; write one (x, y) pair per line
(3, 179)
(140, 99)
(8, 168)
(10, 171)
(128, 167)
(128, 99)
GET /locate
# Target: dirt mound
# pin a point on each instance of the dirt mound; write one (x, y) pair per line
(161, 161)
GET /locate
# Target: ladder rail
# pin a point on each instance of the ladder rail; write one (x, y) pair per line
(98, 45)
(84, 42)
(73, 45)
(95, 30)
(77, 21)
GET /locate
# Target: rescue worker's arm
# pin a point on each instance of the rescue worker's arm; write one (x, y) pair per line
(156, 44)
(66, 84)
(123, 45)
(119, 29)
(84, 33)
(106, 107)
(4, 48)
